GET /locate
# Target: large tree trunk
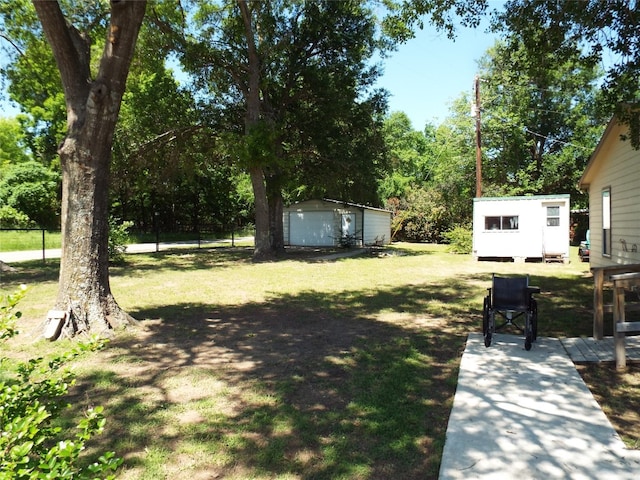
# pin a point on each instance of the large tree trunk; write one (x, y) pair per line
(276, 227)
(276, 208)
(84, 287)
(262, 249)
(85, 154)
(262, 242)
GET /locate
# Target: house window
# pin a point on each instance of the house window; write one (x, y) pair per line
(509, 222)
(553, 216)
(606, 222)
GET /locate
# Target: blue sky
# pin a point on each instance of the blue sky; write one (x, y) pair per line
(426, 74)
(423, 76)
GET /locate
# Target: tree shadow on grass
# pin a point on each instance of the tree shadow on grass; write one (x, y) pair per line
(32, 271)
(565, 306)
(355, 385)
(225, 257)
(306, 387)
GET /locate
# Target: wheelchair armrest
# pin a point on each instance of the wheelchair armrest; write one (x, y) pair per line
(531, 289)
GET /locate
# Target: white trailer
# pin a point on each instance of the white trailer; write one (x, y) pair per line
(526, 228)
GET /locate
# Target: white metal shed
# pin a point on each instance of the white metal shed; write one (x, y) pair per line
(522, 228)
(325, 223)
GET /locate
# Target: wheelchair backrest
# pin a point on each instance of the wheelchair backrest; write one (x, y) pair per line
(510, 293)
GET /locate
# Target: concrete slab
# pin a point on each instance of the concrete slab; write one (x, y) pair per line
(528, 415)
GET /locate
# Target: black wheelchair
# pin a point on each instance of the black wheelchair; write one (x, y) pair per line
(510, 298)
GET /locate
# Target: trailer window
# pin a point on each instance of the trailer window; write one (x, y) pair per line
(509, 222)
(553, 216)
(492, 223)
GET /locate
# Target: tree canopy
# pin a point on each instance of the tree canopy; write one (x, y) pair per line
(595, 32)
(282, 96)
(540, 121)
(13, 148)
(292, 82)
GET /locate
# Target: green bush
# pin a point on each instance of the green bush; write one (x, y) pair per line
(118, 239)
(460, 239)
(31, 188)
(420, 217)
(32, 446)
(12, 218)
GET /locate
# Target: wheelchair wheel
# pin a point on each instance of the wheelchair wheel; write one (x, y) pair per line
(487, 323)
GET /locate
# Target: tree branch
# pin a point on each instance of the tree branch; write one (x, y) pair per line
(126, 17)
(70, 49)
(12, 43)
(166, 138)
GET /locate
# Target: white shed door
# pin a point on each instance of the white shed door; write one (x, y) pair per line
(314, 229)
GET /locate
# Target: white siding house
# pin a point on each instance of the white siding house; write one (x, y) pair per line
(326, 223)
(612, 178)
(521, 228)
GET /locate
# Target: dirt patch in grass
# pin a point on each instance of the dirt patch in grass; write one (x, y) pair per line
(281, 389)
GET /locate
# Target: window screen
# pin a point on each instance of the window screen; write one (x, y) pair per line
(553, 216)
(510, 223)
(492, 223)
(505, 222)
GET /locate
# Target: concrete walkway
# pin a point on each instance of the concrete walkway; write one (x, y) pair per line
(528, 415)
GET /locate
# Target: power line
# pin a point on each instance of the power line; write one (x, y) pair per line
(526, 130)
(546, 137)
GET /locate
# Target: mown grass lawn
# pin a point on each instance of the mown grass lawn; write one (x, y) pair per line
(17, 240)
(295, 369)
(14, 240)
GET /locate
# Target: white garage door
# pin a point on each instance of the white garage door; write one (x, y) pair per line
(312, 229)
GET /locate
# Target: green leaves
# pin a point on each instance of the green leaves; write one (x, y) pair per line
(32, 446)
(20, 453)
(538, 118)
(8, 314)
(31, 189)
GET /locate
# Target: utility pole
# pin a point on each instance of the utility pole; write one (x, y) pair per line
(478, 140)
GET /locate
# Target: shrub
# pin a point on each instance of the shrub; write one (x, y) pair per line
(32, 447)
(460, 239)
(12, 218)
(118, 238)
(420, 217)
(31, 188)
